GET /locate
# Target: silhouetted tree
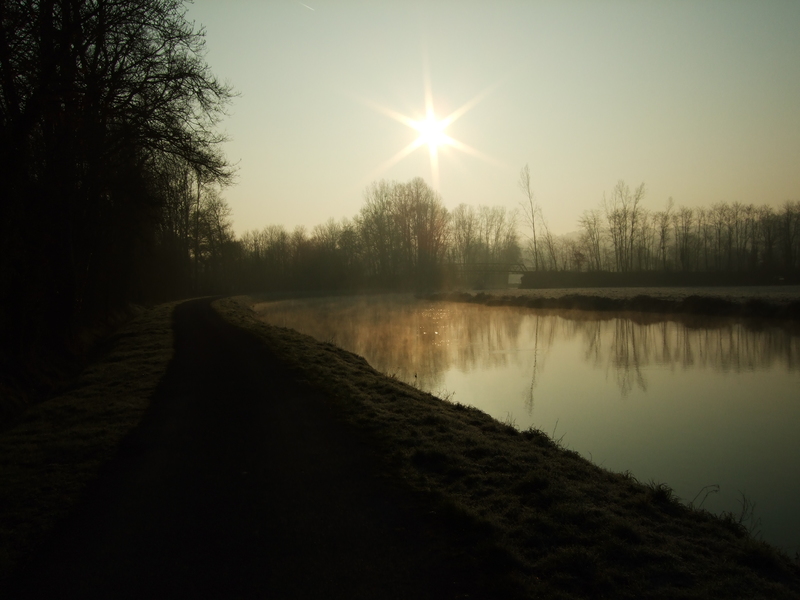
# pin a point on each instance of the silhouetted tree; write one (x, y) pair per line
(623, 213)
(379, 236)
(591, 239)
(465, 237)
(214, 243)
(99, 100)
(532, 212)
(423, 222)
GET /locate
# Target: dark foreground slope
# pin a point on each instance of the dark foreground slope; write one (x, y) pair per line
(575, 530)
(239, 483)
(51, 451)
(271, 465)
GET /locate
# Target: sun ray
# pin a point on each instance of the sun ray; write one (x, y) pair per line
(459, 112)
(395, 159)
(434, 152)
(476, 153)
(426, 82)
(389, 112)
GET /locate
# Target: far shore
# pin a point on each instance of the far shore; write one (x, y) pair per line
(757, 302)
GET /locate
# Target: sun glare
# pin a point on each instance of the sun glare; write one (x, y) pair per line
(431, 132)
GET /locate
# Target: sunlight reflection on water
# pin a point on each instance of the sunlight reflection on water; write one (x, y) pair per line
(691, 403)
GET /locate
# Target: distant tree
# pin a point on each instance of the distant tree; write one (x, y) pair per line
(175, 231)
(531, 211)
(551, 246)
(790, 235)
(683, 223)
(592, 239)
(326, 236)
(644, 248)
(379, 236)
(662, 225)
(215, 240)
(277, 254)
(351, 251)
(464, 237)
(423, 225)
(336, 255)
(623, 215)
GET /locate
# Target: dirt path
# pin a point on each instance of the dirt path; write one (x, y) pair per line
(239, 483)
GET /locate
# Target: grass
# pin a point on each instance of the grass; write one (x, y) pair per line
(568, 528)
(55, 448)
(565, 527)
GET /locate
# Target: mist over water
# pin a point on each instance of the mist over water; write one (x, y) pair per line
(690, 403)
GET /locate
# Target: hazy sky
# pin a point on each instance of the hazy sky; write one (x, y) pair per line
(698, 100)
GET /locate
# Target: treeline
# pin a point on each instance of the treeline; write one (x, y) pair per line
(108, 158)
(402, 238)
(621, 236)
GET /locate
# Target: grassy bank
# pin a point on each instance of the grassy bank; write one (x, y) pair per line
(564, 527)
(50, 453)
(569, 528)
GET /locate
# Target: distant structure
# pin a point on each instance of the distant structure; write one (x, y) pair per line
(485, 275)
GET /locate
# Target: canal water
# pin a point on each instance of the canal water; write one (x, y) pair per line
(709, 406)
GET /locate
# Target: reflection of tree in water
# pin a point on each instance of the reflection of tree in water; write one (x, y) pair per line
(627, 342)
(593, 338)
(628, 346)
(413, 340)
(542, 330)
(612, 344)
(530, 400)
(530, 396)
(420, 341)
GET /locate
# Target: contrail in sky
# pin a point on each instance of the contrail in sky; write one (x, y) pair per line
(307, 6)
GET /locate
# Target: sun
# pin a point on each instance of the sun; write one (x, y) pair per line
(431, 132)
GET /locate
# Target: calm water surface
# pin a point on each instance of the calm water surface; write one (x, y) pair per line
(687, 403)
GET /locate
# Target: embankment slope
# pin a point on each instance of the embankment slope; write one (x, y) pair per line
(270, 464)
(240, 483)
(572, 528)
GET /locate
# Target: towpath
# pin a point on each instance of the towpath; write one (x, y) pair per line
(239, 483)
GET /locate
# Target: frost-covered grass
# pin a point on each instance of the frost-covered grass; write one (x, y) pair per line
(570, 529)
(57, 446)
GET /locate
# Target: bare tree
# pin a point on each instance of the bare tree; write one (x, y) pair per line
(683, 222)
(551, 246)
(95, 97)
(465, 236)
(790, 235)
(531, 211)
(623, 214)
(326, 236)
(423, 222)
(591, 238)
(213, 243)
(378, 233)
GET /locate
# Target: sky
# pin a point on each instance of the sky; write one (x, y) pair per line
(700, 101)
